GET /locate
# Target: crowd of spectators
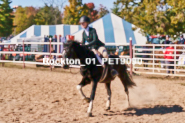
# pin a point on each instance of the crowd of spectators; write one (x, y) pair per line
(168, 51)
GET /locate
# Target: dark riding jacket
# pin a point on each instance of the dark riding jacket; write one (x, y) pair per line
(92, 39)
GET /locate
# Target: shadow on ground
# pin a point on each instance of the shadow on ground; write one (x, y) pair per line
(149, 111)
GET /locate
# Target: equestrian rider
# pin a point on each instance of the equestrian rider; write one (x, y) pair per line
(90, 37)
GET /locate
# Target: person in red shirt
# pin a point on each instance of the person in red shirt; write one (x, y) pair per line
(168, 55)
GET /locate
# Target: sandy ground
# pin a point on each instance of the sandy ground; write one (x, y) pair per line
(40, 96)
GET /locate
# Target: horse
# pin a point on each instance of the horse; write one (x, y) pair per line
(93, 72)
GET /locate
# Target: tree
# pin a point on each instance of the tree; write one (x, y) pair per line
(93, 14)
(103, 10)
(116, 9)
(153, 16)
(74, 11)
(48, 15)
(6, 18)
(58, 5)
(24, 18)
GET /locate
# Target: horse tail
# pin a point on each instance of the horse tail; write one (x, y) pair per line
(125, 77)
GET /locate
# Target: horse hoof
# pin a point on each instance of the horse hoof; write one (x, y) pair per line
(107, 109)
(87, 100)
(89, 115)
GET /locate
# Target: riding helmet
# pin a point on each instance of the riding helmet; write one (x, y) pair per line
(84, 19)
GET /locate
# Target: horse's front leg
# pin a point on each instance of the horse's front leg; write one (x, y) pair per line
(108, 104)
(89, 111)
(84, 82)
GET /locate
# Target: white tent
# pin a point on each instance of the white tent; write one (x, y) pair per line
(43, 30)
(113, 30)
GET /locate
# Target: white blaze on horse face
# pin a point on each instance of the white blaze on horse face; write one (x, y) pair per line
(79, 88)
(63, 53)
(90, 107)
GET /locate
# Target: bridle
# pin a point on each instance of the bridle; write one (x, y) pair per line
(63, 55)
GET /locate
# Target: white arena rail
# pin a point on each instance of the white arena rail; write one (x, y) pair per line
(36, 53)
(155, 68)
(152, 69)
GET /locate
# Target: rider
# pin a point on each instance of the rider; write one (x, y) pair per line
(90, 36)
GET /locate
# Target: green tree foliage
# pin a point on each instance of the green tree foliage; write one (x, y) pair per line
(116, 9)
(6, 18)
(24, 18)
(74, 11)
(153, 16)
(48, 15)
(93, 14)
(103, 10)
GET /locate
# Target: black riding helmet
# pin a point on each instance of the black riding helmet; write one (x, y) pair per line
(84, 19)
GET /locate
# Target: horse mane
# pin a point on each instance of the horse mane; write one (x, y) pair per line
(76, 44)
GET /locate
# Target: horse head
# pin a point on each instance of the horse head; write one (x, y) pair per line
(74, 49)
(70, 48)
(69, 52)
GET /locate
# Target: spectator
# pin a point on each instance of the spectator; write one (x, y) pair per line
(169, 58)
(1, 49)
(182, 40)
(167, 41)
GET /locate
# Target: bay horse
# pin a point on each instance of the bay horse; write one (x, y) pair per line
(93, 73)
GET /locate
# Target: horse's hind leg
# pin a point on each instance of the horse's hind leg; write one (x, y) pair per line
(125, 86)
(108, 104)
(85, 81)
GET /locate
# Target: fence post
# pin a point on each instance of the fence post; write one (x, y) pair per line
(23, 56)
(133, 52)
(175, 60)
(50, 52)
(131, 56)
(153, 57)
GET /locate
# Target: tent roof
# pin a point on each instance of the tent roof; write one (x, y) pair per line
(42, 30)
(114, 30)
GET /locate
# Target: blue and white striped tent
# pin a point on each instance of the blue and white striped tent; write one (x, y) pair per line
(113, 30)
(42, 30)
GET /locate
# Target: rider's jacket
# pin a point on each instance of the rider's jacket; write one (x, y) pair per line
(92, 40)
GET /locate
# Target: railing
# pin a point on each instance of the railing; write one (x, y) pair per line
(35, 53)
(152, 68)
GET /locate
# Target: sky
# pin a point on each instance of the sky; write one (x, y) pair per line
(38, 3)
